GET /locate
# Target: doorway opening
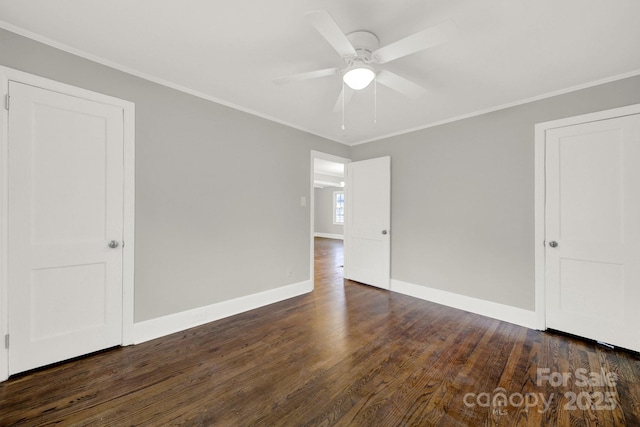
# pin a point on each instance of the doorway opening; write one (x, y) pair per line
(327, 217)
(328, 261)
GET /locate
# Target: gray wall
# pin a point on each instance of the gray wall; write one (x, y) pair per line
(323, 215)
(206, 229)
(463, 194)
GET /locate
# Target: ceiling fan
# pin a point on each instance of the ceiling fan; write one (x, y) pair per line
(360, 50)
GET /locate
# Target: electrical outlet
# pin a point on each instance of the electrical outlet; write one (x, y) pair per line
(290, 273)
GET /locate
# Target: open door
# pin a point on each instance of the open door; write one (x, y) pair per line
(367, 249)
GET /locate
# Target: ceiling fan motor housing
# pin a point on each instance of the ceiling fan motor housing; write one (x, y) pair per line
(364, 43)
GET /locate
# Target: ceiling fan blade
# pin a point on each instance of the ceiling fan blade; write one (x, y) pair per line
(327, 27)
(400, 84)
(421, 40)
(306, 76)
(347, 93)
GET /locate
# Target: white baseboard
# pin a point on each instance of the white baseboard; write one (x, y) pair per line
(166, 325)
(329, 236)
(507, 313)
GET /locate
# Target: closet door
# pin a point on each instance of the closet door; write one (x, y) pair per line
(65, 222)
(592, 230)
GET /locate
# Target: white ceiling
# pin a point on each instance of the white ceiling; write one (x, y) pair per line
(505, 52)
(327, 167)
(327, 173)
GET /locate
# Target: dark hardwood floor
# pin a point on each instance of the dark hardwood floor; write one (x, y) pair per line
(346, 354)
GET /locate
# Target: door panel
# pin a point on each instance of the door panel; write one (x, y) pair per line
(65, 185)
(592, 211)
(67, 171)
(63, 287)
(591, 176)
(367, 222)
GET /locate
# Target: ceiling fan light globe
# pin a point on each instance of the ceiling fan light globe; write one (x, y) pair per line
(359, 78)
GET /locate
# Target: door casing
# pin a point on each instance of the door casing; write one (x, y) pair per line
(539, 194)
(8, 74)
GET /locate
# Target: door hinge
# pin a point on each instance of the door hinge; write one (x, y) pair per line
(6, 101)
(6, 341)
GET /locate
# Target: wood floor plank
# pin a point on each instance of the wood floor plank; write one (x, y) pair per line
(347, 355)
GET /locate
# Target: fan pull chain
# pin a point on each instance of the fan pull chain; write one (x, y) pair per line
(375, 100)
(343, 93)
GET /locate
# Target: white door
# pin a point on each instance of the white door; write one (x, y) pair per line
(65, 189)
(593, 230)
(367, 222)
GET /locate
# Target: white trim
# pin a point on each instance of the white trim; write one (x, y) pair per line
(329, 236)
(539, 192)
(4, 199)
(539, 225)
(95, 58)
(170, 324)
(312, 206)
(9, 74)
(154, 79)
(506, 313)
(128, 232)
(505, 106)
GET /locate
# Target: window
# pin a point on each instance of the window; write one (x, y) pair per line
(338, 207)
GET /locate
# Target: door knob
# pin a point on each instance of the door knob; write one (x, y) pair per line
(384, 231)
(113, 244)
(553, 244)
